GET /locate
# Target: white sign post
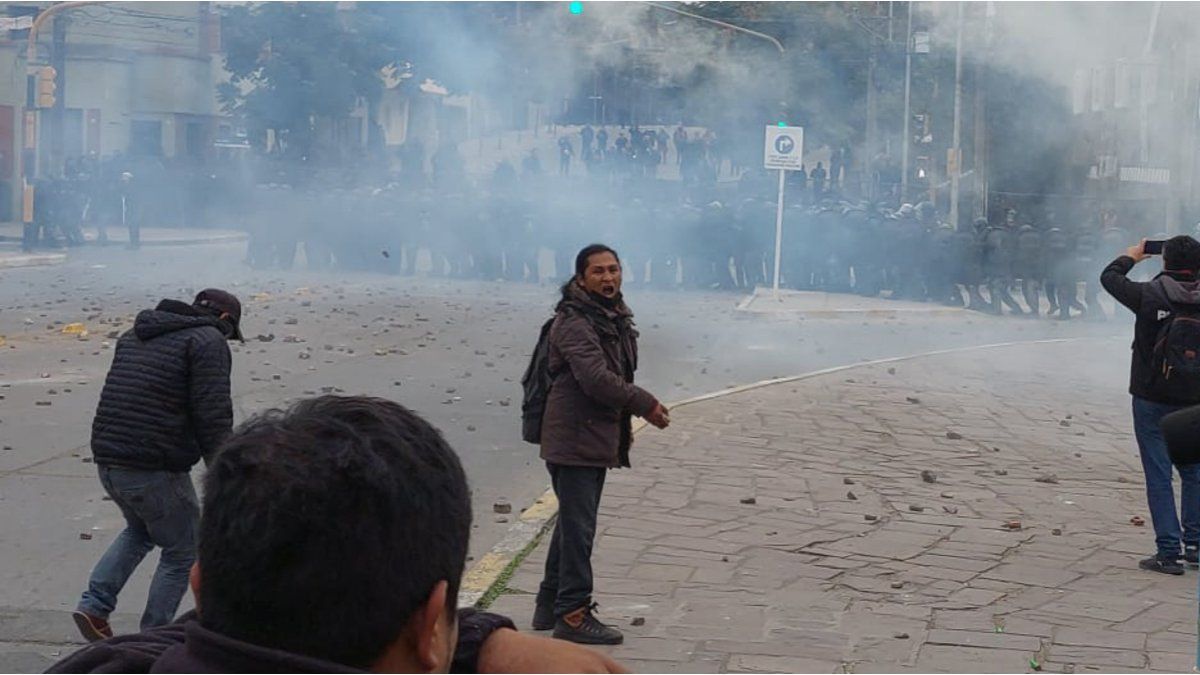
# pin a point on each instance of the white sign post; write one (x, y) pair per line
(784, 150)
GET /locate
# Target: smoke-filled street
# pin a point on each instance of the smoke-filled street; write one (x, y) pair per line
(454, 351)
(599, 336)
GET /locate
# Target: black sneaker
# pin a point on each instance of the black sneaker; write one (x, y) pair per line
(1191, 555)
(1163, 565)
(543, 617)
(583, 627)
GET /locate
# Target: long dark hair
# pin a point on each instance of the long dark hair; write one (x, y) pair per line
(581, 263)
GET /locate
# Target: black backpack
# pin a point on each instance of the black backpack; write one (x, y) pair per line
(536, 381)
(1177, 352)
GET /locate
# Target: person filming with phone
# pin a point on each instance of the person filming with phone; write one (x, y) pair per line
(1164, 378)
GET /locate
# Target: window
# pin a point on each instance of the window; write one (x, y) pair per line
(145, 138)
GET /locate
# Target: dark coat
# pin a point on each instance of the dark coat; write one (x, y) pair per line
(187, 647)
(165, 402)
(593, 355)
(1152, 303)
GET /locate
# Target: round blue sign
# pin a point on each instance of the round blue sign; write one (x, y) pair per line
(784, 145)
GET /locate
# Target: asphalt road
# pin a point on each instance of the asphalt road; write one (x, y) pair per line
(452, 350)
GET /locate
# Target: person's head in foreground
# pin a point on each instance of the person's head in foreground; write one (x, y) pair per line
(338, 530)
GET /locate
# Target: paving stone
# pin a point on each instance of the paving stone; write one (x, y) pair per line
(988, 639)
(1082, 656)
(754, 663)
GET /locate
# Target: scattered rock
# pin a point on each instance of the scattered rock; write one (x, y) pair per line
(1064, 423)
(912, 399)
(1138, 521)
(891, 371)
(42, 403)
(947, 495)
(501, 519)
(638, 621)
(870, 517)
(502, 507)
(290, 321)
(1001, 472)
(900, 636)
(304, 356)
(724, 558)
(1047, 478)
(847, 481)
(1122, 479)
(952, 510)
(897, 584)
(85, 536)
(954, 435)
(1013, 525)
(928, 476)
(915, 508)
(470, 427)
(504, 402)
(851, 496)
(269, 337)
(749, 500)
(1056, 532)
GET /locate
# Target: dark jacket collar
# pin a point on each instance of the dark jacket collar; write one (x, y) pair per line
(204, 651)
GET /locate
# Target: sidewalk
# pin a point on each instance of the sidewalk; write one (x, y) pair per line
(10, 234)
(791, 528)
(10, 260)
(818, 304)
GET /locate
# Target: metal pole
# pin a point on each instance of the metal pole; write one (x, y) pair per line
(957, 170)
(778, 236)
(722, 24)
(907, 107)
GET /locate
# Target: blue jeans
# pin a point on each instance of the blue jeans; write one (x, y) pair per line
(1160, 494)
(160, 509)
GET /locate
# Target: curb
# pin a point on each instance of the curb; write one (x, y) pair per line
(229, 238)
(538, 517)
(488, 570)
(32, 260)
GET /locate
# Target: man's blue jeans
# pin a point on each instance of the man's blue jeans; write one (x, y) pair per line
(160, 509)
(1160, 494)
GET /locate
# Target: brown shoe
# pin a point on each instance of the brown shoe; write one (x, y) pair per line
(92, 628)
(583, 627)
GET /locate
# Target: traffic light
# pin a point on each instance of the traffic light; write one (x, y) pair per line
(46, 87)
(575, 7)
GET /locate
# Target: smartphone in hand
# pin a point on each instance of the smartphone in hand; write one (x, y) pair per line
(1153, 247)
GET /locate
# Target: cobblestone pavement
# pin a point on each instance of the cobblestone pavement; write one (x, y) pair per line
(791, 528)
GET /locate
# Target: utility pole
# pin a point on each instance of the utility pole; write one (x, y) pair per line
(955, 169)
(29, 153)
(979, 147)
(908, 46)
(58, 60)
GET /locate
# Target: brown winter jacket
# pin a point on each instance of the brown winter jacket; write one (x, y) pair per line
(593, 354)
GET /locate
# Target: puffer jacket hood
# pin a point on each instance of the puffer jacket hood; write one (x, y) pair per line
(170, 316)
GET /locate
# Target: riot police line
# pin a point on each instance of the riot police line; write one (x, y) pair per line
(673, 235)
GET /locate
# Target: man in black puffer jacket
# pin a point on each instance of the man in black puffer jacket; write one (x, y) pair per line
(165, 406)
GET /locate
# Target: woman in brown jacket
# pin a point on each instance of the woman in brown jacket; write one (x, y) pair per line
(586, 431)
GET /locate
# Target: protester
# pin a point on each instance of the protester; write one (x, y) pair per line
(585, 432)
(1165, 377)
(333, 539)
(164, 406)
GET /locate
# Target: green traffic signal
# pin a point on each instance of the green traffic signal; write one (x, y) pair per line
(576, 7)
(781, 124)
